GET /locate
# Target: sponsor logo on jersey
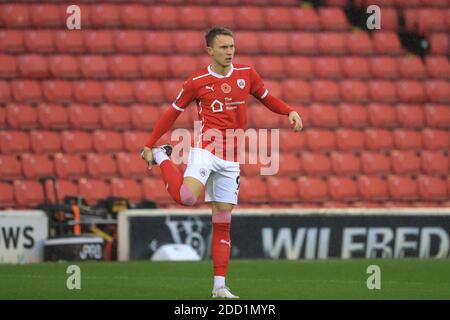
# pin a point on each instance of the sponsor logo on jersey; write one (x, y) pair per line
(241, 83)
(226, 88)
(203, 172)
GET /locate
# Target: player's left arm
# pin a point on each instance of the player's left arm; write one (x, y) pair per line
(259, 91)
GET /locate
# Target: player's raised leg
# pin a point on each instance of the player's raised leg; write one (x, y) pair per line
(221, 247)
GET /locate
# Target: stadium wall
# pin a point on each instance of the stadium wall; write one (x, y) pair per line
(293, 234)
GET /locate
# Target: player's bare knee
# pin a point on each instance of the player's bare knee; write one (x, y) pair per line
(187, 196)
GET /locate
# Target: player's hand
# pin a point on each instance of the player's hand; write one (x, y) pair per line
(295, 119)
(147, 156)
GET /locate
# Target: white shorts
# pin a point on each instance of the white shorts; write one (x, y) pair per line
(220, 177)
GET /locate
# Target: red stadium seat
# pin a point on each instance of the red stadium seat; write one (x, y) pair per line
(5, 92)
(353, 115)
(305, 19)
(129, 41)
(87, 91)
(372, 188)
(76, 142)
(28, 193)
(45, 141)
(432, 188)
(39, 41)
(296, 91)
(93, 190)
(345, 164)
(354, 91)
(33, 66)
(14, 142)
(57, 91)
(94, 66)
(134, 16)
(118, 92)
(274, 43)
(21, 116)
(154, 190)
(27, 91)
(3, 118)
(6, 195)
(282, 189)
(153, 66)
(437, 67)
(390, 19)
(278, 18)
(11, 41)
(163, 17)
(350, 140)
(325, 91)
(411, 91)
(69, 166)
(320, 140)
(438, 91)
(247, 42)
(375, 163)
(331, 43)
(303, 43)
(46, 15)
(410, 116)
(435, 139)
(383, 91)
(359, 43)
(298, 67)
(10, 167)
(114, 117)
(333, 19)
(150, 92)
(435, 163)
(53, 116)
(382, 115)
(431, 20)
(8, 66)
(143, 116)
(262, 117)
(135, 140)
(253, 190)
(248, 17)
(221, 16)
(126, 188)
(405, 162)
(291, 141)
(343, 189)
(411, 67)
(64, 188)
(270, 67)
(323, 115)
(108, 141)
(123, 66)
(192, 17)
(130, 165)
(383, 67)
(99, 41)
(290, 164)
(315, 164)
(15, 15)
(402, 188)
(327, 67)
(379, 139)
(440, 44)
(312, 189)
(104, 15)
(171, 89)
(158, 42)
(355, 67)
(83, 116)
(69, 42)
(387, 43)
(35, 166)
(407, 139)
(101, 165)
(181, 66)
(63, 66)
(437, 116)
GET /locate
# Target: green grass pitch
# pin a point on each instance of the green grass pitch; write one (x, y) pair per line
(250, 279)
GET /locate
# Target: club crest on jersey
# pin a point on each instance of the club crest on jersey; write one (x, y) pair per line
(226, 88)
(241, 83)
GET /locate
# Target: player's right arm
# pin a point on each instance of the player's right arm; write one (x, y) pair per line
(167, 120)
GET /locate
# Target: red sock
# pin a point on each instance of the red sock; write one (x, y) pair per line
(221, 243)
(173, 179)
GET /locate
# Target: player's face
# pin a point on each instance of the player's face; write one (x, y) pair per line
(222, 50)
